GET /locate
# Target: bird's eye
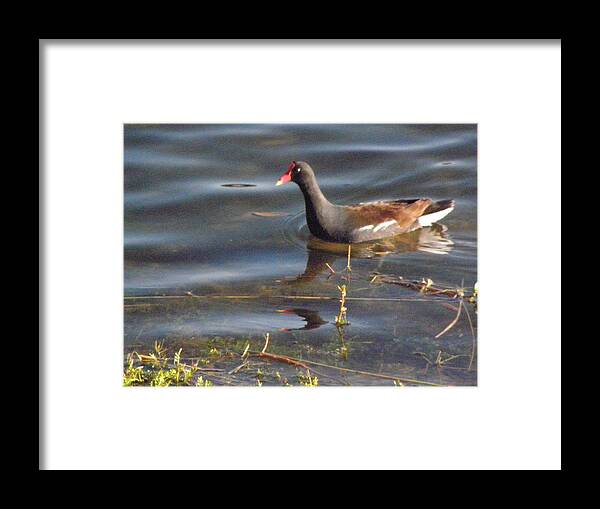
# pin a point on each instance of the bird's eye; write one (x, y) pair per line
(298, 169)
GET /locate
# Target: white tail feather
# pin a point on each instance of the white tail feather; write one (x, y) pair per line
(429, 219)
(384, 225)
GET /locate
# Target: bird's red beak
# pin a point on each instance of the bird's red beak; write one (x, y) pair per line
(287, 176)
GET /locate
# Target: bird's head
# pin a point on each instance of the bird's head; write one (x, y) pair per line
(297, 172)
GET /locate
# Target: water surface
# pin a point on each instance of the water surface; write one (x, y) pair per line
(215, 252)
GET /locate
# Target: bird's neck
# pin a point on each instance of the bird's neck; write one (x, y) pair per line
(317, 206)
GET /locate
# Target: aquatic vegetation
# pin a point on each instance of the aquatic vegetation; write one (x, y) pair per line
(283, 380)
(157, 370)
(259, 377)
(252, 364)
(474, 298)
(308, 380)
(440, 360)
(203, 383)
(348, 267)
(163, 378)
(342, 351)
(133, 374)
(157, 358)
(341, 318)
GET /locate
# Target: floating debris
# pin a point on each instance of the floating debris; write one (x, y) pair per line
(424, 286)
(270, 214)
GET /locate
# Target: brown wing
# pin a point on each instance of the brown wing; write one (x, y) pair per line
(404, 212)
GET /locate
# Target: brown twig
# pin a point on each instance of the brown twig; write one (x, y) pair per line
(474, 339)
(235, 370)
(280, 358)
(425, 286)
(349, 251)
(303, 364)
(266, 343)
(452, 323)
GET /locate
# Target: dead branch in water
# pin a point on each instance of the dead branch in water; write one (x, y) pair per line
(474, 339)
(280, 358)
(293, 362)
(439, 360)
(266, 343)
(426, 286)
(453, 322)
(304, 364)
(236, 369)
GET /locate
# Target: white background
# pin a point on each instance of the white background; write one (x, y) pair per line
(512, 420)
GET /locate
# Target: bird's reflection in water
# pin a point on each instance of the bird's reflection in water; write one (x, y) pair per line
(311, 317)
(321, 254)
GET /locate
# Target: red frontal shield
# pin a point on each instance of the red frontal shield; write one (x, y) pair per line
(287, 176)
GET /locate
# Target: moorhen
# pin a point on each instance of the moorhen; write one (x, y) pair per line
(364, 221)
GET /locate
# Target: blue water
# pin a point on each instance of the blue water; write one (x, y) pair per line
(191, 227)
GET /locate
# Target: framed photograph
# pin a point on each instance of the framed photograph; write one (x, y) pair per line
(341, 266)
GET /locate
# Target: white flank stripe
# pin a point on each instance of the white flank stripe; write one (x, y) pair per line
(429, 219)
(368, 227)
(384, 225)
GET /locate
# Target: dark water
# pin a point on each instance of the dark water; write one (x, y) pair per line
(203, 216)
